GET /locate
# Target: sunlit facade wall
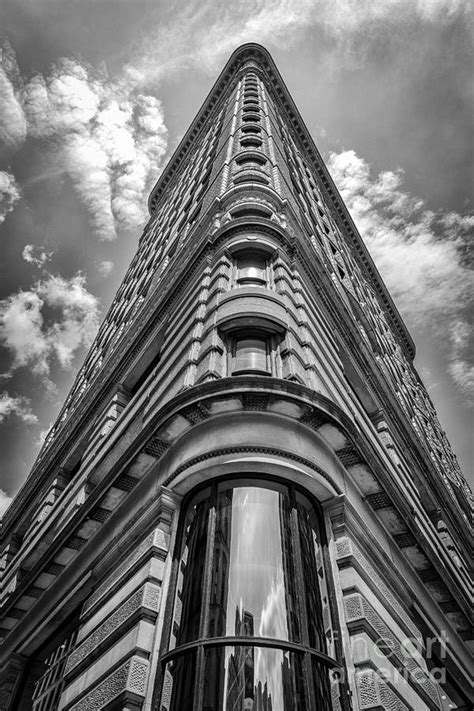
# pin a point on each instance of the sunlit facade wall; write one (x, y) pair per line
(247, 501)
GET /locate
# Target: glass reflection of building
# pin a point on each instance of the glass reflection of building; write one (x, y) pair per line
(240, 692)
(247, 571)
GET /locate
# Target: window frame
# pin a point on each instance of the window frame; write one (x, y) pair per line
(308, 656)
(247, 335)
(242, 280)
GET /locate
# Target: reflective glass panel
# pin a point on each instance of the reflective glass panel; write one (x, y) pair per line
(251, 267)
(250, 678)
(191, 575)
(253, 566)
(311, 592)
(250, 354)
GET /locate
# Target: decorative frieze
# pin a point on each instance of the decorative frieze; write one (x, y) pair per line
(156, 447)
(255, 401)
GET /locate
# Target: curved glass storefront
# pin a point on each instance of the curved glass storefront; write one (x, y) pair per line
(247, 631)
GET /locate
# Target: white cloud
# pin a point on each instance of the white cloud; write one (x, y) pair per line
(36, 255)
(105, 267)
(205, 32)
(43, 434)
(49, 322)
(5, 501)
(99, 131)
(18, 406)
(9, 193)
(419, 253)
(12, 119)
(21, 330)
(63, 102)
(109, 139)
(460, 368)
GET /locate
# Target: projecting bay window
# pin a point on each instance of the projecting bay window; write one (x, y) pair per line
(251, 268)
(247, 630)
(250, 355)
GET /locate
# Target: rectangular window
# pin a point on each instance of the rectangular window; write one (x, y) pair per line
(251, 269)
(250, 353)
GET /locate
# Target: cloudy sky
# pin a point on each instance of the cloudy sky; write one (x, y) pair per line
(95, 95)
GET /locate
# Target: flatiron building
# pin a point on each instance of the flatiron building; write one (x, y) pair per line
(247, 502)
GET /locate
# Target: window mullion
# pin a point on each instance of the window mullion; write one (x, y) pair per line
(302, 612)
(199, 681)
(204, 614)
(211, 527)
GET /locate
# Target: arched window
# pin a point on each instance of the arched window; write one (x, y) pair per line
(251, 129)
(247, 629)
(251, 106)
(249, 176)
(251, 142)
(251, 117)
(251, 211)
(251, 158)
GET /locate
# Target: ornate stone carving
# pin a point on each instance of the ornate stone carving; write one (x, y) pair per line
(258, 450)
(147, 596)
(156, 447)
(117, 573)
(131, 676)
(375, 693)
(356, 608)
(344, 548)
(138, 676)
(255, 401)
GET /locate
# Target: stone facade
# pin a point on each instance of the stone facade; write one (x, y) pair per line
(248, 248)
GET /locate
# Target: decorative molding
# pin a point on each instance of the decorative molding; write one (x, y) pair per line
(130, 677)
(148, 596)
(374, 693)
(255, 401)
(251, 449)
(346, 548)
(156, 447)
(379, 500)
(357, 608)
(157, 539)
(349, 456)
(125, 482)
